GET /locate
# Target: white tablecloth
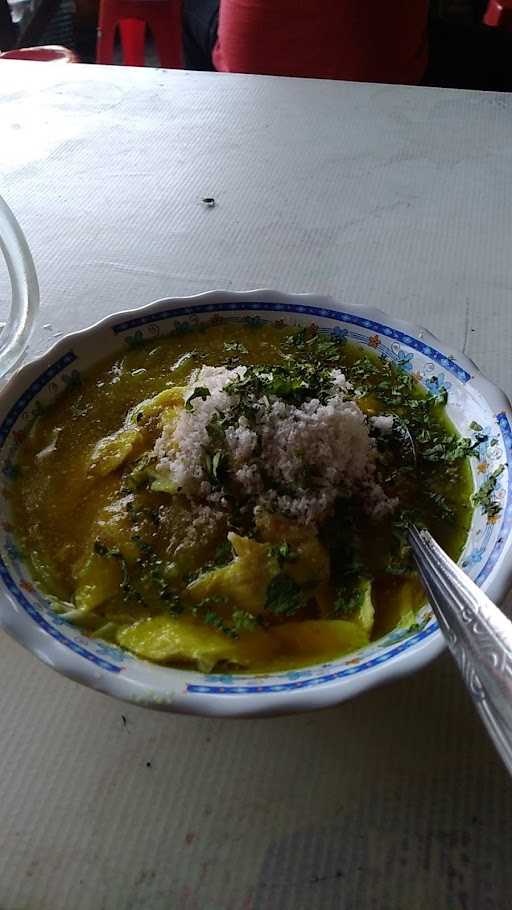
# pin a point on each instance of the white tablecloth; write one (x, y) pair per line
(395, 197)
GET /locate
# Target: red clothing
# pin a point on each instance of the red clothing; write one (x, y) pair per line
(360, 40)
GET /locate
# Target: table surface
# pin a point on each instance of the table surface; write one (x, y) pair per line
(389, 196)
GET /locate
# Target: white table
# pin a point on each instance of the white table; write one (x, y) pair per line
(396, 197)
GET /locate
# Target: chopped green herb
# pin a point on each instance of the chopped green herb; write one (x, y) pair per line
(445, 447)
(414, 627)
(235, 347)
(140, 474)
(108, 552)
(284, 553)
(484, 497)
(441, 504)
(216, 428)
(294, 381)
(243, 621)
(284, 596)
(199, 392)
(400, 560)
(207, 611)
(223, 554)
(348, 602)
(173, 604)
(316, 345)
(214, 465)
(341, 537)
(212, 618)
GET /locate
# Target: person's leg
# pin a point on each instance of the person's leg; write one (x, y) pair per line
(200, 21)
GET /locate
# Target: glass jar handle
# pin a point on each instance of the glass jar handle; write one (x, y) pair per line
(24, 287)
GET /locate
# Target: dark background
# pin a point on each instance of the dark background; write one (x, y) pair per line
(464, 53)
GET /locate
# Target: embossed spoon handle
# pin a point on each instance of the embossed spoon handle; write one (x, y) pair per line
(478, 634)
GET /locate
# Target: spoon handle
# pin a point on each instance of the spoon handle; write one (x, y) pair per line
(478, 634)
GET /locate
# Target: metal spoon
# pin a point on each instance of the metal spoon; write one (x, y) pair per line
(478, 635)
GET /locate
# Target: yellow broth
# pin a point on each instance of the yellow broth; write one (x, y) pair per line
(64, 512)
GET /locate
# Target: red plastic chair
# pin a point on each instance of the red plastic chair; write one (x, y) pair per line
(51, 53)
(163, 18)
(499, 14)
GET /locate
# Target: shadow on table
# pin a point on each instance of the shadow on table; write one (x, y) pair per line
(401, 812)
(393, 801)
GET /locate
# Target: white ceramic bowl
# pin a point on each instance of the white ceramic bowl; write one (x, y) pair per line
(26, 613)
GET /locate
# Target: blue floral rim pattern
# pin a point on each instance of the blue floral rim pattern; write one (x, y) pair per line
(33, 390)
(506, 526)
(318, 680)
(55, 369)
(44, 624)
(300, 679)
(336, 315)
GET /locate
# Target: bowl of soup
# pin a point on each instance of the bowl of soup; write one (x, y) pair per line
(205, 502)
